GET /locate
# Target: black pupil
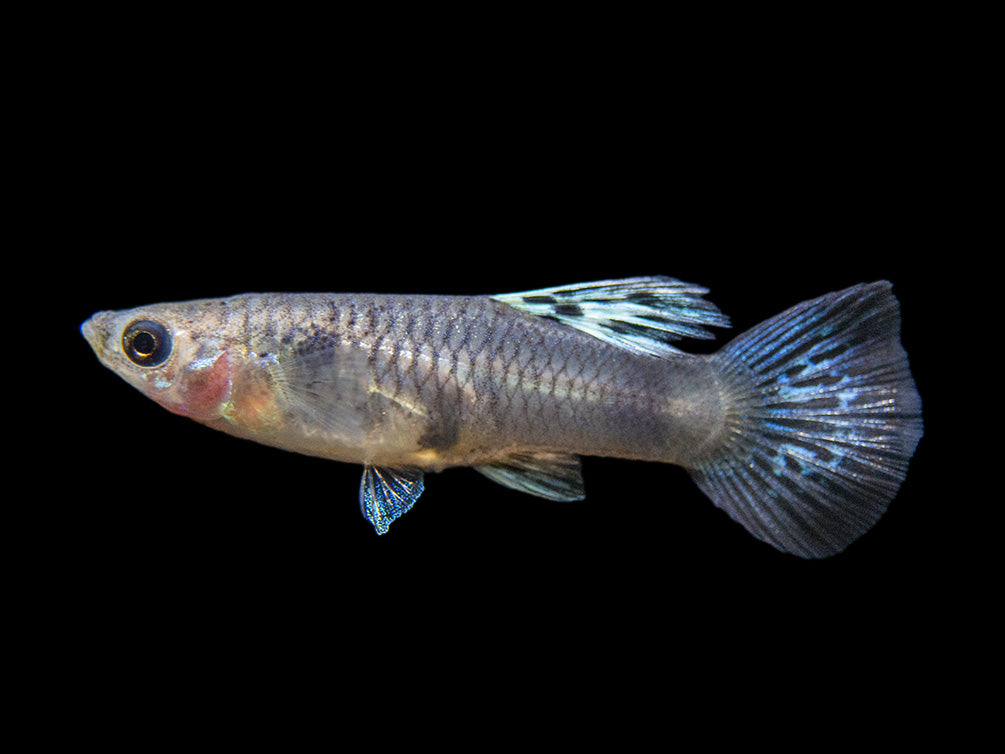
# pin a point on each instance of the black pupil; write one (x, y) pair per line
(144, 344)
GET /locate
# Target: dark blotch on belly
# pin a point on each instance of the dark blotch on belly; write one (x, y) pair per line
(439, 435)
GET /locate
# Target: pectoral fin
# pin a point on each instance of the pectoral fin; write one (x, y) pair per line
(554, 476)
(385, 494)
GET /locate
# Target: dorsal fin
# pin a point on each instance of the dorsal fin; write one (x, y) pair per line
(638, 314)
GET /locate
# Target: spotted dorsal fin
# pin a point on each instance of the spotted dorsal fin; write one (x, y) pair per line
(642, 314)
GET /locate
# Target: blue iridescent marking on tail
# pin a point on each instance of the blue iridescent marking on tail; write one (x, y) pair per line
(822, 417)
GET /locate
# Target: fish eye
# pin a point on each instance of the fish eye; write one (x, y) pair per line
(146, 343)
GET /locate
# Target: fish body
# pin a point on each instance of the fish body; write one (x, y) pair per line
(801, 429)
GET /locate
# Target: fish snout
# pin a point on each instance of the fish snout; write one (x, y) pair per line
(87, 330)
(95, 332)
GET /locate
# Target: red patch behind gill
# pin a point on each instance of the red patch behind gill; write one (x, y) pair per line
(204, 390)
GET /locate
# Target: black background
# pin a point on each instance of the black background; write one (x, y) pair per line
(173, 546)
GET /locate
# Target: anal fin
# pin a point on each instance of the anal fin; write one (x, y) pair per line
(553, 476)
(386, 494)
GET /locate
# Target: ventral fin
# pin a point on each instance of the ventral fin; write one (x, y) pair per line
(554, 476)
(642, 314)
(385, 494)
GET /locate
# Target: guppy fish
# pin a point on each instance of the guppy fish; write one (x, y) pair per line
(800, 429)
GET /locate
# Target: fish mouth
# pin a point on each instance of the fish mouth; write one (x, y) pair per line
(87, 330)
(95, 333)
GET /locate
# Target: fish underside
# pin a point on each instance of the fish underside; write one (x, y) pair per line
(801, 429)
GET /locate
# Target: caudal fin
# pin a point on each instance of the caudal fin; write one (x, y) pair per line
(822, 419)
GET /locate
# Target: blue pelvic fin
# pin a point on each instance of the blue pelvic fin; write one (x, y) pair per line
(554, 476)
(822, 417)
(642, 315)
(386, 494)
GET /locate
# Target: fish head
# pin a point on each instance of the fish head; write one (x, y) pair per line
(168, 353)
